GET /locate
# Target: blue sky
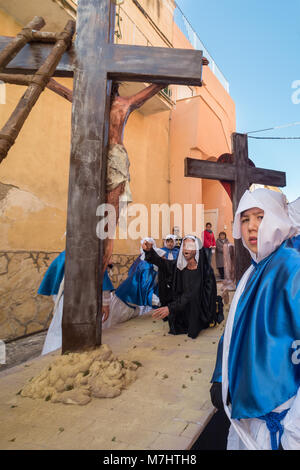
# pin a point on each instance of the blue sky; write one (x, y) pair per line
(256, 45)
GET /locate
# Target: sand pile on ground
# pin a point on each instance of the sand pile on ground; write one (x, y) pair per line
(76, 378)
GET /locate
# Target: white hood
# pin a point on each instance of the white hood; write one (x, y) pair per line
(159, 251)
(294, 213)
(181, 261)
(173, 237)
(276, 225)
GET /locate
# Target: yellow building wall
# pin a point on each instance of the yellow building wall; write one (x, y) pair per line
(33, 202)
(151, 24)
(34, 176)
(33, 211)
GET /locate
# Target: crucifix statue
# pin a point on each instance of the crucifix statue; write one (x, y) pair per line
(118, 178)
(236, 172)
(95, 62)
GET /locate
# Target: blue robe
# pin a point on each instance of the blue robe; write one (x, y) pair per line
(174, 251)
(140, 285)
(261, 372)
(55, 273)
(53, 276)
(217, 374)
(295, 242)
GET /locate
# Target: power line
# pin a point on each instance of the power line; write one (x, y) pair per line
(273, 138)
(276, 127)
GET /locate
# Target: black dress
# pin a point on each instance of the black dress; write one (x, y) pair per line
(189, 294)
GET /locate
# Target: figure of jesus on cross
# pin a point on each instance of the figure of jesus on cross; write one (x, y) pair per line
(117, 179)
(117, 182)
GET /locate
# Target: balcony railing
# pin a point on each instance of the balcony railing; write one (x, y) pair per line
(186, 28)
(127, 32)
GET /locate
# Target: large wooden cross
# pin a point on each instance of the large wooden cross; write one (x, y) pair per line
(95, 61)
(240, 172)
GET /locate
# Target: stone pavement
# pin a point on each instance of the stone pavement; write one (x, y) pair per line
(164, 409)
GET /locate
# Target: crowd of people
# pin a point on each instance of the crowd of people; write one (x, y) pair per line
(175, 283)
(256, 381)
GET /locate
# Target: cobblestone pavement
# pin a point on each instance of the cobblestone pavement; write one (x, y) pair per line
(166, 408)
(23, 349)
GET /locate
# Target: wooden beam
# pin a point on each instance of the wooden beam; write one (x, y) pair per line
(268, 177)
(139, 63)
(32, 56)
(209, 170)
(126, 63)
(44, 36)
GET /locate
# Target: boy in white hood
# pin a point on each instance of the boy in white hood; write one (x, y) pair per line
(260, 367)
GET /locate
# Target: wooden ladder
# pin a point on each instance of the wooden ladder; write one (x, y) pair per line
(37, 82)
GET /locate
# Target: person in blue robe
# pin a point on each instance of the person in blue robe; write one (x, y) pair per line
(295, 241)
(140, 289)
(55, 274)
(140, 286)
(170, 248)
(257, 374)
(138, 294)
(53, 285)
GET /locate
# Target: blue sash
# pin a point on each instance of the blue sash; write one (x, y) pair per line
(274, 426)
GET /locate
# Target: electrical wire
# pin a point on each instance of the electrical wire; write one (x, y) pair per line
(276, 127)
(273, 138)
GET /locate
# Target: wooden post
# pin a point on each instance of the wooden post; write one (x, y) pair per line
(82, 315)
(239, 186)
